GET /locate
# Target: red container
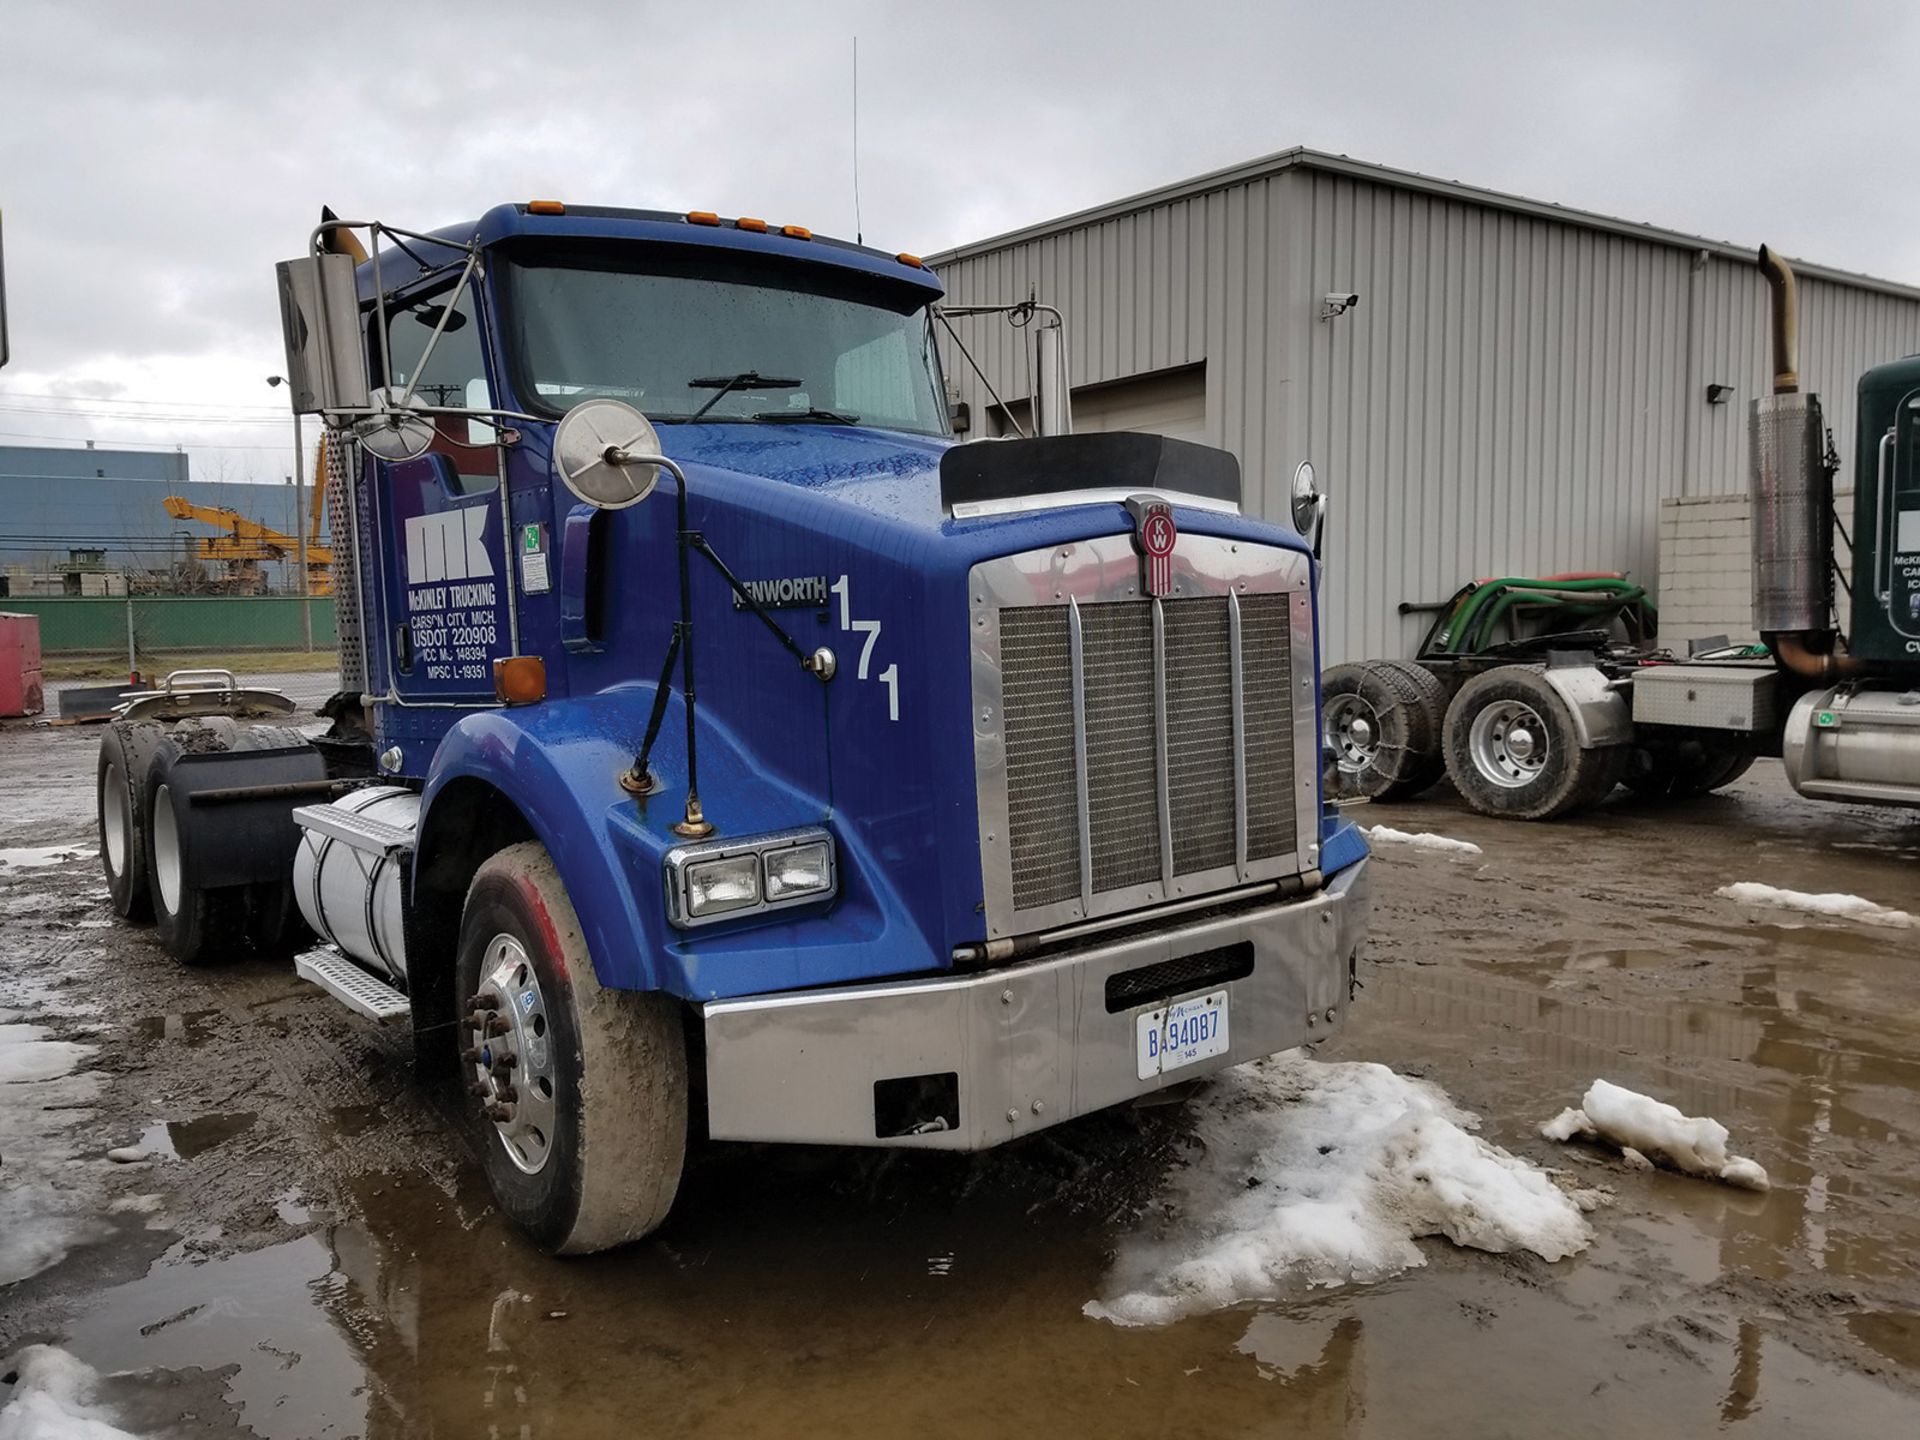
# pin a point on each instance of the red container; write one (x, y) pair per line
(20, 689)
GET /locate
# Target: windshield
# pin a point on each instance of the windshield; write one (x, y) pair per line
(665, 332)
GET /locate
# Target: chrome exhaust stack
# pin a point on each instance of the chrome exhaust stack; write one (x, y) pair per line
(1792, 493)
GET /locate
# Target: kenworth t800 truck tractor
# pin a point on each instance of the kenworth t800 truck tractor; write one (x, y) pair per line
(721, 748)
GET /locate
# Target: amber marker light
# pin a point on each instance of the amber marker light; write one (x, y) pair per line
(702, 217)
(545, 207)
(913, 260)
(520, 679)
(796, 232)
(747, 222)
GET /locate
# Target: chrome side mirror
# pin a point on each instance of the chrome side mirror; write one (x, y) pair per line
(602, 452)
(1309, 506)
(320, 322)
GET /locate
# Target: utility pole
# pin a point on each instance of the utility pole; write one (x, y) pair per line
(300, 517)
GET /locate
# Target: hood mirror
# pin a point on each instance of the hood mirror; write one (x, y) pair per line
(395, 434)
(601, 452)
(1309, 506)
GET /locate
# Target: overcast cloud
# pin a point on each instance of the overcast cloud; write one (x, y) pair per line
(156, 159)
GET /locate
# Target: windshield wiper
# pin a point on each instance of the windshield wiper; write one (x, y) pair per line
(724, 385)
(825, 417)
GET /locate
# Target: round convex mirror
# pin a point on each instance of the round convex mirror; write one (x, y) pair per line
(591, 451)
(1306, 496)
(395, 435)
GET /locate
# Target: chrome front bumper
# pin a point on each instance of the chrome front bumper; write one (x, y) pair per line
(1031, 1044)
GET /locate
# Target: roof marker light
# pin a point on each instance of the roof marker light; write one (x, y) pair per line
(545, 207)
(702, 217)
(913, 260)
(796, 232)
(747, 222)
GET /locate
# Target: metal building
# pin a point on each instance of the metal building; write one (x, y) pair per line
(1515, 391)
(107, 504)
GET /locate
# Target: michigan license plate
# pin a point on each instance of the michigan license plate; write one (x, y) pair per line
(1180, 1034)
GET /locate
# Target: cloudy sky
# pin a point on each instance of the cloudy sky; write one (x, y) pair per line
(157, 158)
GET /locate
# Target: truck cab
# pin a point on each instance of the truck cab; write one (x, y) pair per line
(722, 746)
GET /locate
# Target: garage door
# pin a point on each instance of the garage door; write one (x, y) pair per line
(1171, 403)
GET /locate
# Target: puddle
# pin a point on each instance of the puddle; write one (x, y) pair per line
(184, 1139)
(39, 857)
(272, 1317)
(191, 1028)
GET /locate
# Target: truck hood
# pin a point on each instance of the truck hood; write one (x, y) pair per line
(887, 472)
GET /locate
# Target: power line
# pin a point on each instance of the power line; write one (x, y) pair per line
(144, 417)
(81, 440)
(130, 400)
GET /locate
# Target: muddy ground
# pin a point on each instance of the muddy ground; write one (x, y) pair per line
(303, 1251)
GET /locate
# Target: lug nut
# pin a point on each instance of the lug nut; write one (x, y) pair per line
(494, 1026)
(505, 1062)
(476, 1089)
(484, 1002)
(471, 1054)
(508, 1093)
(500, 1113)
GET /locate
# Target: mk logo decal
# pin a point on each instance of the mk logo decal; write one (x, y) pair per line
(448, 546)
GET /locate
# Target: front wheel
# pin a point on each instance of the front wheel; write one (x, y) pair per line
(1512, 749)
(577, 1094)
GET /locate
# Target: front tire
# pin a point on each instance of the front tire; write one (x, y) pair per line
(1512, 750)
(577, 1095)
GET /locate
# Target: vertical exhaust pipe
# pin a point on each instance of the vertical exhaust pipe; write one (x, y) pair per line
(1785, 290)
(1792, 492)
(1053, 400)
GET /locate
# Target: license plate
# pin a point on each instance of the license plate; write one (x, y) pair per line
(1181, 1033)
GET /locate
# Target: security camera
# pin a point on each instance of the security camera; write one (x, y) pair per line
(1336, 303)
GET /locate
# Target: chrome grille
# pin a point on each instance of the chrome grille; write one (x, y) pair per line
(1181, 775)
(1266, 649)
(1123, 810)
(1038, 703)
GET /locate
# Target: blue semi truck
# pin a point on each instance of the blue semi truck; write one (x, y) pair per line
(723, 749)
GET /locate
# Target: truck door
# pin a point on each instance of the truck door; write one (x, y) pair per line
(447, 587)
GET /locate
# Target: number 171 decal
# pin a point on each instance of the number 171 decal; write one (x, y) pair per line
(889, 677)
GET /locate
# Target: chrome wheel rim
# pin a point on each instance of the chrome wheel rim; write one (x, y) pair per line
(511, 1053)
(1351, 730)
(114, 818)
(166, 851)
(1508, 743)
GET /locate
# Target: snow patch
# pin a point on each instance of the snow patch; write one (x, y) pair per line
(1649, 1131)
(40, 1060)
(53, 1399)
(1320, 1174)
(1845, 907)
(1422, 840)
(36, 857)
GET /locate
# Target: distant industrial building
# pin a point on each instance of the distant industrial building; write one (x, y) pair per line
(77, 521)
(1514, 388)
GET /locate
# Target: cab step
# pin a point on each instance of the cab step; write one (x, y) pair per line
(358, 832)
(350, 985)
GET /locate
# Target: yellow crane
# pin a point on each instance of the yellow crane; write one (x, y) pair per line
(245, 544)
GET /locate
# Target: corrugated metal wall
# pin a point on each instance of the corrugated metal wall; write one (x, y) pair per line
(1514, 393)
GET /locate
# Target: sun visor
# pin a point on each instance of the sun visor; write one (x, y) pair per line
(997, 472)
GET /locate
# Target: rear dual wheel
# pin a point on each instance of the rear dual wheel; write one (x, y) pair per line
(1381, 729)
(1513, 751)
(1688, 769)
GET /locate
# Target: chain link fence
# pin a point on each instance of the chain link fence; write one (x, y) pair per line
(285, 642)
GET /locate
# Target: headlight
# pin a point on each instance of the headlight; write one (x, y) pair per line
(799, 870)
(724, 879)
(715, 887)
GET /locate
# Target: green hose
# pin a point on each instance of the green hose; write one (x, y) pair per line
(1498, 596)
(1497, 609)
